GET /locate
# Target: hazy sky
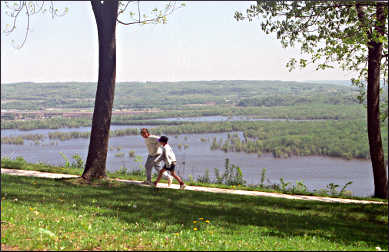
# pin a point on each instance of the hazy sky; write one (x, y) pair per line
(201, 41)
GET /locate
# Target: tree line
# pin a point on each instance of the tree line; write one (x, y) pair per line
(140, 95)
(298, 112)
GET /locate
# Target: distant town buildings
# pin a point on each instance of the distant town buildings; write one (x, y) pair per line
(31, 115)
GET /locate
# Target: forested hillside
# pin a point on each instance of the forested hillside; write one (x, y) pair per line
(171, 95)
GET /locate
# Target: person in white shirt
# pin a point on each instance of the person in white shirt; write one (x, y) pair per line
(170, 161)
(155, 152)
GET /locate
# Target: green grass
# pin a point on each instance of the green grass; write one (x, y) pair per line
(40, 214)
(20, 163)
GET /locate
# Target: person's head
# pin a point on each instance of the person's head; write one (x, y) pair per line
(144, 133)
(163, 140)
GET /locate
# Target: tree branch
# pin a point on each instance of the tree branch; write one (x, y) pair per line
(362, 18)
(360, 3)
(125, 7)
(52, 9)
(28, 28)
(155, 19)
(43, 2)
(31, 8)
(16, 17)
(138, 12)
(136, 22)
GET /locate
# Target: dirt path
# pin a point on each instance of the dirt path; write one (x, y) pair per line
(197, 188)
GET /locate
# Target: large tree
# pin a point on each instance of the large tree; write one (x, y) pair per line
(106, 15)
(351, 35)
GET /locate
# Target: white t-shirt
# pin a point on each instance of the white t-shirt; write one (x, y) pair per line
(168, 155)
(153, 145)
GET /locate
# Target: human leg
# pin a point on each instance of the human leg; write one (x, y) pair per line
(159, 176)
(157, 167)
(148, 167)
(182, 184)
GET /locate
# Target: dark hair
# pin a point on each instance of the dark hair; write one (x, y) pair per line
(163, 139)
(143, 131)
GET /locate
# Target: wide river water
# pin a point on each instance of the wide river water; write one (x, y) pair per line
(316, 172)
(219, 118)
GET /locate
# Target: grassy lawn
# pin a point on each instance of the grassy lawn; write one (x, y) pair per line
(20, 163)
(40, 214)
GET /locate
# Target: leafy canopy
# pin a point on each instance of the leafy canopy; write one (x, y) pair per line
(330, 33)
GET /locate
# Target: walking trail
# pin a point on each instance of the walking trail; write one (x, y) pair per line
(196, 188)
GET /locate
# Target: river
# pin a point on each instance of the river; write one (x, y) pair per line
(316, 172)
(219, 118)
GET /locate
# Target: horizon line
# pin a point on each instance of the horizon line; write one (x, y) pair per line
(24, 82)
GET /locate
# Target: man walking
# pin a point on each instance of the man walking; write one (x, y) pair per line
(155, 152)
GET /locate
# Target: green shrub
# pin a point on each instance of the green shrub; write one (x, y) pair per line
(284, 185)
(219, 178)
(67, 162)
(190, 178)
(77, 162)
(332, 188)
(17, 163)
(263, 177)
(345, 192)
(232, 174)
(205, 178)
(120, 154)
(131, 153)
(299, 188)
(121, 171)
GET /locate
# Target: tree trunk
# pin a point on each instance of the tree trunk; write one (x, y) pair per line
(105, 15)
(373, 113)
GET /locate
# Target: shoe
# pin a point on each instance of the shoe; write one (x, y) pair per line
(146, 182)
(182, 186)
(169, 181)
(154, 184)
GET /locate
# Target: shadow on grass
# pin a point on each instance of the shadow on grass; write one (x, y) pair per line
(342, 223)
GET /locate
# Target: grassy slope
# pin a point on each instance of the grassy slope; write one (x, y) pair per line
(49, 214)
(20, 163)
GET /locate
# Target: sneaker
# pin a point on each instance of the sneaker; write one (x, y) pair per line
(154, 184)
(182, 186)
(169, 181)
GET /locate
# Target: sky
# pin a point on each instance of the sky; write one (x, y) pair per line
(201, 41)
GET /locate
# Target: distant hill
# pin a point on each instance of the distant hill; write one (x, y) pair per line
(174, 95)
(335, 82)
